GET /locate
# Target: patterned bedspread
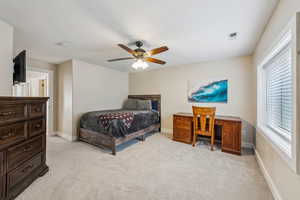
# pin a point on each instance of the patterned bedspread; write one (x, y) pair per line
(118, 123)
(125, 117)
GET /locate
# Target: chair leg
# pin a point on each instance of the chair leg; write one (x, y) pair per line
(194, 139)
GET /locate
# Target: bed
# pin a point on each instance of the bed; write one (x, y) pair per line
(110, 128)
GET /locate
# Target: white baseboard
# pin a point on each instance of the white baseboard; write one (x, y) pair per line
(52, 133)
(66, 136)
(247, 145)
(267, 176)
(166, 130)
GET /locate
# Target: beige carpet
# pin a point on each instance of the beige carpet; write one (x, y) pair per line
(157, 169)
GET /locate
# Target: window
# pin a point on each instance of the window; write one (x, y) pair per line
(279, 92)
(276, 97)
(278, 112)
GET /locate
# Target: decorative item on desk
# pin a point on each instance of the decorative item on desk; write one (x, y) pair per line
(209, 92)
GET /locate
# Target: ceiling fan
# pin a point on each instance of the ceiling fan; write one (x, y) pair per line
(141, 56)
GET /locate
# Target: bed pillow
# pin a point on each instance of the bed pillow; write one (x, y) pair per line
(130, 104)
(154, 105)
(144, 105)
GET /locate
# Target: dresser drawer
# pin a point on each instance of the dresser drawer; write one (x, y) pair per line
(12, 113)
(23, 171)
(13, 134)
(37, 127)
(2, 187)
(18, 154)
(37, 109)
(2, 164)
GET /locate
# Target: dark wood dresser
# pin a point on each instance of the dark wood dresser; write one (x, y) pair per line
(22, 143)
(230, 131)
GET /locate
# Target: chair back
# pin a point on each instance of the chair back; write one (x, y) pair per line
(204, 120)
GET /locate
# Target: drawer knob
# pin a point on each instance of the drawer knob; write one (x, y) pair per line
(28, 148)
(38, 126)
(10, 134)
(27, 168)
(37, 110)
(5, 114)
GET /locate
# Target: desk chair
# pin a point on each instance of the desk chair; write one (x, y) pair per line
(204, 122)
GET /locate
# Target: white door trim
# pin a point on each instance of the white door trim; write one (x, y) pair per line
(51, 95)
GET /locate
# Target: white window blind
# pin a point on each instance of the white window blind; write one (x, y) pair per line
(279, 92)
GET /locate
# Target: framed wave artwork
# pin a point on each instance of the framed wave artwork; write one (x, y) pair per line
(208, 92)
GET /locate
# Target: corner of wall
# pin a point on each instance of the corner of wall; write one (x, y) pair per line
(298, 89)
(65, 100)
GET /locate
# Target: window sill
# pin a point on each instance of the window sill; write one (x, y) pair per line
(282, 146)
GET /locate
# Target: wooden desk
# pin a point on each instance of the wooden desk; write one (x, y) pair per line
(231, 131)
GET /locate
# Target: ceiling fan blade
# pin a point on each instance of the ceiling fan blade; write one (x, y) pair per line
(127, 49)
(118, 59)
(154, 60)
(157, 50)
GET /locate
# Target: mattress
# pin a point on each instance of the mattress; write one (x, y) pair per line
(117, 128)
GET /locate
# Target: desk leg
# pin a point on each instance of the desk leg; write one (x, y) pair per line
(212, 141)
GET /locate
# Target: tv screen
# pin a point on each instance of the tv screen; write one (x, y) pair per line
(20, 68)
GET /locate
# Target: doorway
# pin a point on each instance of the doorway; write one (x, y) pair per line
(39, 83)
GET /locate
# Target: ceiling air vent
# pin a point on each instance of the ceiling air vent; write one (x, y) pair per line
(233, 36)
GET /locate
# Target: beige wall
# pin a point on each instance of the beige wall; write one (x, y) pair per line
(172, 82)
(284, 182)
(38, 64)
(65, 100)
(297, 53)
(6, 59)
(96, 88)
(85, 87)
(283, 13)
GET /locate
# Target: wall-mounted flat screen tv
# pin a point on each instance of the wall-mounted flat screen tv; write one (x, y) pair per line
(20, 68)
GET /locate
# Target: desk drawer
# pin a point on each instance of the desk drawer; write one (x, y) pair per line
(37, 109)
(37, 127)
(231, 137)
(12, 113)
(182, 122)
(20, 173)
(182, 135)
(182, 129)
(20, 153)
(13, 134)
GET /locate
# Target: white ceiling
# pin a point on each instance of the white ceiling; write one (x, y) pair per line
(194, 30)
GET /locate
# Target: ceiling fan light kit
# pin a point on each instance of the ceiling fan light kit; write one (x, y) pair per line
(139, 64)
(141, 56)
